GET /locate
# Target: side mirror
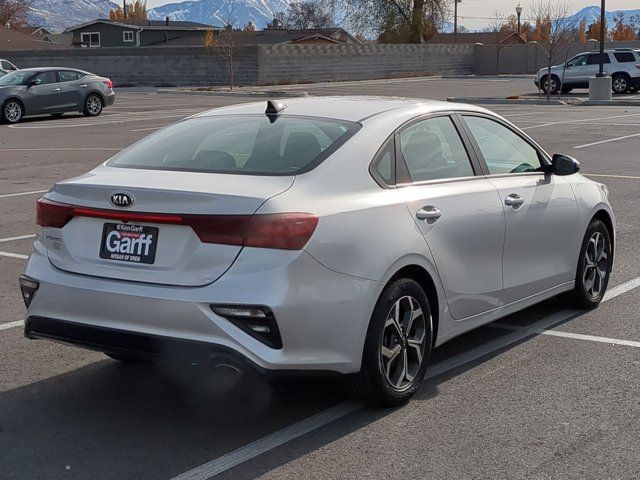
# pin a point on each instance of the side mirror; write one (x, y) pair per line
(32, 83)
(564, 165)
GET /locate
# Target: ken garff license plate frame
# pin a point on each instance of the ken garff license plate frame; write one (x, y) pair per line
(123, 242)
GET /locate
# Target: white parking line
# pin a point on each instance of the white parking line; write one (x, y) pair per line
(34, 192)
(74, 125)
(58, 149)
(611, 176)
(317, 421)
(14, 255)
(575, 336)
(607, 141)
(270, 442)
(146, 129)
(21, 237)
(580, 120)
(7, 326)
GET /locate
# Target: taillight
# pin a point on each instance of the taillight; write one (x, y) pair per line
(638, 66)
(286, 231)
(108, 83)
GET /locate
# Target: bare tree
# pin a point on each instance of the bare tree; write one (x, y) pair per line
(14, 11)
(553, 29)
(223, 43)
(397, 21)
(308, 14)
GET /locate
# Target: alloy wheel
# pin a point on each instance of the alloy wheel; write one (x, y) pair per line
(403, 342)
(620, 84)
(550, 85)
(13, 111)
(596, 265)
(94, 105)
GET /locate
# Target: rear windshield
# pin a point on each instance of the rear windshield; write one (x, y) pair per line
(240, 144)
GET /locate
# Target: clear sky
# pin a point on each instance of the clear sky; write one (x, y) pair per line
(469, 9)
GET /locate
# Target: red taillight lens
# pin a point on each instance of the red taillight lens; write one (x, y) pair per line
(287, 231)
(638, 66)
(52, 214)
(108, 83)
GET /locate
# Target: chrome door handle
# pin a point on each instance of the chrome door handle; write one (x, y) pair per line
(429, 214)
(56, 89)
(514, 200)
(83, 86)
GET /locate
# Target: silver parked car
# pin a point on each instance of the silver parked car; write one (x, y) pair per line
(344, 234)
(54, 91)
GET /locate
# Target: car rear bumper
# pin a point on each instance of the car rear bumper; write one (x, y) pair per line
(109, 98)
(136, 344)
(322, 316)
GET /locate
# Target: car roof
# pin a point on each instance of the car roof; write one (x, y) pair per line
(350, 108)
(48, 69)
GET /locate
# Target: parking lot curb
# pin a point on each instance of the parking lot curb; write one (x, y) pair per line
(237, 93)
(505, 101)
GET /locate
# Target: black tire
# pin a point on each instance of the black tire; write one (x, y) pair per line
(566, 90)
(93, 105)
(12, 111)
(583, 294)
(620, 83)
(373, 385)
(57, 115)
(555, 84)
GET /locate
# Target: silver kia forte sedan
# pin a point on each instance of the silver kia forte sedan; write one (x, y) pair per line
(343, 234)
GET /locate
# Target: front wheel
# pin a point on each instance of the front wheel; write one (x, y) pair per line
(92, 105)
(12, 111)
(397, 346)
(594, 266)
(552, 84)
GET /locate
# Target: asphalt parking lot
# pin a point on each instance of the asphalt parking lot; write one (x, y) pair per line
(546, 393)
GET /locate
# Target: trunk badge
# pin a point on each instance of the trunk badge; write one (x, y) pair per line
(121, 199)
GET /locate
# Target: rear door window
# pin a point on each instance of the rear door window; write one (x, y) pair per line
(240, 144)
(432, 149)
(68, 76)
(594, 59)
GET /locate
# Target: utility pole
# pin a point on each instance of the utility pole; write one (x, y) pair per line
(124, 8)
(519, 12)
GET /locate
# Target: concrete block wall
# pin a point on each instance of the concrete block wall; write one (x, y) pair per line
(150, 66)
(280, 64)
(529, 58)
(264, 65)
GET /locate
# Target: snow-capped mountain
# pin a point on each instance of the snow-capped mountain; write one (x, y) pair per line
(592, 15)
(58, 15)
(219, 12)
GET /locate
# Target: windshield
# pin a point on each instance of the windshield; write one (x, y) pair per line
(239, 144)
(15, 78)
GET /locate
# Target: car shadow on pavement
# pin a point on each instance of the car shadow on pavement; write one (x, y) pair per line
(112, 421)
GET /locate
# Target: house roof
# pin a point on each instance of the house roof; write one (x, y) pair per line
(148, 25)
(15, 40)
(281, 35)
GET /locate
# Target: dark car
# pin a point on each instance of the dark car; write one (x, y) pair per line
(53, 91)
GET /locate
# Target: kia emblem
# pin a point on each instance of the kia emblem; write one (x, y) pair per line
(121, 199)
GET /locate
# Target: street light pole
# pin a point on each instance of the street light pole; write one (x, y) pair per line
(602, 27)
(519, 12)
(455, 21)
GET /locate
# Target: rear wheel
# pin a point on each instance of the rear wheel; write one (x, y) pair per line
(12, 111)
(550, 83)
(620, 83)
(594, 266)
(397, 347)
(93, 105)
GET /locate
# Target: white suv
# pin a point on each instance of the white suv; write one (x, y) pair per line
(622, 64)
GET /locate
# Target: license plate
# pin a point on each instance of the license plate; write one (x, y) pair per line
(129, 243)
